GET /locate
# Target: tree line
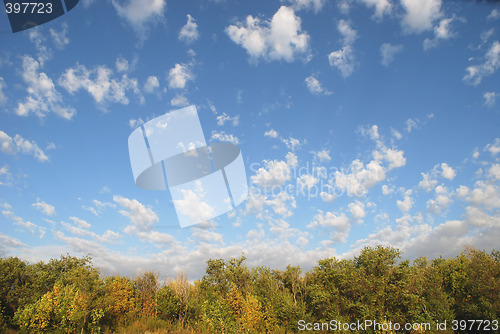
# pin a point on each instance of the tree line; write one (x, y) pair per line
(68, 295)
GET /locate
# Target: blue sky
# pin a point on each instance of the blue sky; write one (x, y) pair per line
(361, 122)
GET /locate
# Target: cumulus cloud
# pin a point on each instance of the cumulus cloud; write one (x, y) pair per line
(420, 15)
(179, 75)
(42, 95)
(60, 38)
(281, 38)
(100, 84)
(179, 101)
(141, 217)
(140, 13)
(447, 172)
(441, 32)
(490, 99)
(407, 203)
(491, 64)
(315, 5)
(388, 52)
(382, 7)
(152, 83)
(19, 144)
(222, 119)
(344, 59)
(493, 148)
(271, 133)
(322, 156)
(224, 137)
(332, 220)
(495, 14)
(45, 208)
(189, 33)
(3, 97)
(314, 86)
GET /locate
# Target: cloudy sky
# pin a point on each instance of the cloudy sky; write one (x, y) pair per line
(361, 122)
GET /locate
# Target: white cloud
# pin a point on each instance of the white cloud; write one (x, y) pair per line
(359, 179)
(141, 217)
(152, 83)
(222, 119)
(493, 148)
(476, 73)
(407, 203)
(339, 222)
(60, 38)
(410, 125)
(3, 97)
(382, 7)
(485, 194)
(494, 171)
(122, 64)
(189, 33)
(386, 190)
(357, 210)
(314, 86)
(179, 101)
(441, 202)
(140, 13)
(222, 136)
(80, 222)
(344, 59)
(292, 143)
(420, 14)
(448, 172)
(427, 182)
(279, 39)
(322, 156)
(495, 14)
(42, 95)
(27, 225)
(396, 134)
(179, 75)
(441, 32)
(271, 133)
(193, 204)
(371, 132)
(45, 208)
(388, 52)
(314, 5)
(20, 145)
(100, 84)
(490, 99)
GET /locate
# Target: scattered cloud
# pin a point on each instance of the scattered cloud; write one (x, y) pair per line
(189, 33)
(315, 5)
(140, 13)
(420, 15)
(382, 7)
(281, 38)
(490, 99)
(476, 73)
(60, 38)
(3, 97)
(43, 97)
(20, 145)
(223, 137)
(45, 208)
(388, 52)
(344, 59)
(314, 86)
(141, 217)
(271, 133)
(495, 14)
(222, 119)
(179, 101)
(179, 75)
(152, 83)
(100, 84)
(441, 32)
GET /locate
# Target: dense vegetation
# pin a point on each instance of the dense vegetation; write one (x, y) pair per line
(69, 296)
